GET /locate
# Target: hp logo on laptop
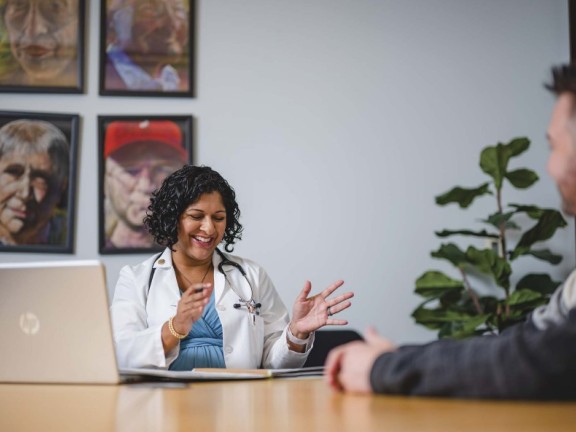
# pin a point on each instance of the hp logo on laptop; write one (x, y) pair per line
(29, 323)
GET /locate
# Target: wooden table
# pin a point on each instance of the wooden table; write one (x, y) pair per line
(295, 405)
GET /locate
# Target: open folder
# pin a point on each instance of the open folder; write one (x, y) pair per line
(215, 374)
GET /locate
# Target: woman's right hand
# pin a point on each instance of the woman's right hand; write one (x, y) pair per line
(191, 306)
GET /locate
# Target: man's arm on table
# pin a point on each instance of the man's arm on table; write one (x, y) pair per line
(522, 363)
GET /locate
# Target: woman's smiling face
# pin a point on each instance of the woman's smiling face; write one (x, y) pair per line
(201, 227)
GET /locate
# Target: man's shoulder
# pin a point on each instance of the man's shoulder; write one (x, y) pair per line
(569, 291)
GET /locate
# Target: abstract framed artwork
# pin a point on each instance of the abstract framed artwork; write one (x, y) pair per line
(42, 46)
(136, 154)
(146, 48)
(37, 181)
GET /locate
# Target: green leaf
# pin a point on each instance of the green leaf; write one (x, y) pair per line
(483, 233)
(488, 261)
(497, 219)
(523, 296)
(464, 329)
(437, 316)
(522, 178)
(489, 304)
(545, 255)
(451, 253)
(548, 223)
(463, 197)
(517, 146)
(451, 298)
(533, 211)
(494, 160)
(539, 282)
(435, 283)
(422, 316)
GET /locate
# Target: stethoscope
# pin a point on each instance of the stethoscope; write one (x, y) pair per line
(250, 304)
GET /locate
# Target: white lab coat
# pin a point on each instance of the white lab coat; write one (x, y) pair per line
(138, 315)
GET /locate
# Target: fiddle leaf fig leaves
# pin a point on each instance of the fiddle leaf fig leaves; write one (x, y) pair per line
(452, 253)
(450, 323)
(545, 255)
(457, 308)
(494, 160)
(463, 197)
(435, 284)
(488, 261)
(523, 296)
(532, 211)
(522, 178)
(498, 219)
(538, 282)
(548, 222)
(483, 233)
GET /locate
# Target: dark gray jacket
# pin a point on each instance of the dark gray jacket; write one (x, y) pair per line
(524, 362)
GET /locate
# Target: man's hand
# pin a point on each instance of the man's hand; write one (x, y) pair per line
(348, 366)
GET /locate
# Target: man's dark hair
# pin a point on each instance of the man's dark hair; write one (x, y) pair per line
(563, 79)
(178, 191)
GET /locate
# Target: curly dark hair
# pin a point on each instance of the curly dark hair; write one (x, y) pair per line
(178, 191)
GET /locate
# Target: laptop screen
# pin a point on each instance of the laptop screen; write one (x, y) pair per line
(55, 323)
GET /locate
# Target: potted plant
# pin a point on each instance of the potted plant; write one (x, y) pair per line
(454, 307)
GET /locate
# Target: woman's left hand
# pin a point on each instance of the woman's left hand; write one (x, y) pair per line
(311, 313)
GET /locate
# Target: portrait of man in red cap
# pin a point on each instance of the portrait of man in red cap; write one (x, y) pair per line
(137, 156)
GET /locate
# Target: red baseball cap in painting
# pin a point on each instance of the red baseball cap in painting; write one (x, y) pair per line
(120, 133)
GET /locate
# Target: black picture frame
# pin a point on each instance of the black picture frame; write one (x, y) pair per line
(39, 190)
(129, 68)
(135, 154)
(24, 62)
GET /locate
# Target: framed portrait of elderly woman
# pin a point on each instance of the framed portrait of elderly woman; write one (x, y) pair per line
(146, 48)
(37, 181)
(136, 154)
(42, 46)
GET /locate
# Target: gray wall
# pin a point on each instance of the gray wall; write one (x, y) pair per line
(337, 122)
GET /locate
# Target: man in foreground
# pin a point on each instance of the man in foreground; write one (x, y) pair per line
(532, 360)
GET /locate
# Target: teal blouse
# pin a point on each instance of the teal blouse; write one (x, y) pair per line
(202, 348)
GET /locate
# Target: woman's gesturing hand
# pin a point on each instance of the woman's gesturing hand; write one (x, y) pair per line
(311, 313)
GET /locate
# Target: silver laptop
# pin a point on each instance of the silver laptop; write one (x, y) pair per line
(55, 325)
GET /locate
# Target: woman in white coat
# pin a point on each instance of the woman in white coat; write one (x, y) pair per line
(196, 306)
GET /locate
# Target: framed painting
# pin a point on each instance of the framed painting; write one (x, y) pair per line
(146, 48)
(42, 46)
(37, 181)
(136, 154)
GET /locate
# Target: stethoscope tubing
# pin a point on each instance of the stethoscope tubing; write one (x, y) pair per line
(250, 304)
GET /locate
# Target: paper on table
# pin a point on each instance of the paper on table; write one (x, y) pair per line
(207, 374)
(193, 375)
(267, 373)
